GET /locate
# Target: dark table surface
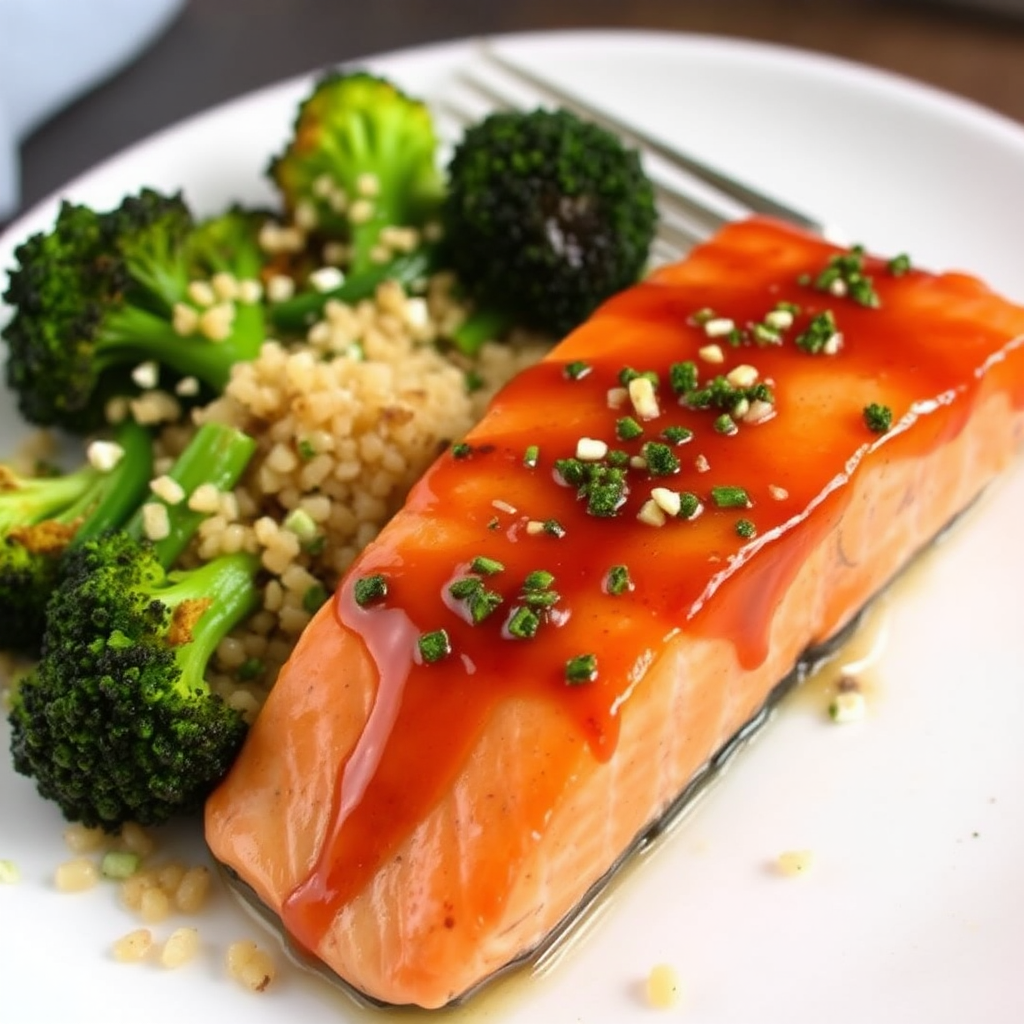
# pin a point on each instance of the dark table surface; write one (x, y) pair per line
(219, 49)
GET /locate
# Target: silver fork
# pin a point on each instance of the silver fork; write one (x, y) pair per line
(687, 215)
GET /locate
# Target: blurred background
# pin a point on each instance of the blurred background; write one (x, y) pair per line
(212, 50)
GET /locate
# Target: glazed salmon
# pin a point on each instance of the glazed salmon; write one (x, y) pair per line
(583, 602)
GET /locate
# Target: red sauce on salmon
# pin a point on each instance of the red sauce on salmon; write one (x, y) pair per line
(699, 576)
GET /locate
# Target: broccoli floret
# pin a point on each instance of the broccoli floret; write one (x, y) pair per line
(102, 293)
(117, 723)
(41, 518)
(546, 216)
(362, 157)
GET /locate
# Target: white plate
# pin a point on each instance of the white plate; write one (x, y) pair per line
(915, 907)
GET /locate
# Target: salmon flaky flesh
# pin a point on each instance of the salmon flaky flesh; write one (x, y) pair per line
(586, 599)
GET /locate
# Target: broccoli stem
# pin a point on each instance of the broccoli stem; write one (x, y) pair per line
(228, 585)
(117, 492)
(296, 315)
(132, 334)
(482, 325)
(28, 500)
(217, 455)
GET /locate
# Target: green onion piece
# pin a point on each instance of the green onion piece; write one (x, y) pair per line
(465, 587)
(581, 669)
(541, 598)
(119, 864)
(434, 646)
(617, 581)
(878, 417)
(577, 370)
(539, 579)
(369, 590)
(306, 450)
(745, 528)
(482, 603)
(474, 381)
(531, 456)
(486, 566)
(524, 623)
(461, 451)
(730, 497)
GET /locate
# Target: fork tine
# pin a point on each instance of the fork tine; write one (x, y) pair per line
(749, 197)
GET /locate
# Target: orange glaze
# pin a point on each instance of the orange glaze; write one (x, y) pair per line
(427, 717)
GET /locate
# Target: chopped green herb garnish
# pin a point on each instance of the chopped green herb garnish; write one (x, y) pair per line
(493, 523)
(554, 527)
(524, 623)
(683, 377)
(461, 450)
(820, 336)
(878, 417)
(627, 429)
(306, 449)
(726, 496)
(899, 265)
(745, 528)
(660, 459)
(677, 435)
(617, 458)
(251, 668)
(434, 646)
(539, 579)
(577, 369)
(370, 589)
(474, 381)
(617, 581)
(572, 471)
(541, 598)
(702, 316)
(314, 597)
(844, 275)
(581, 669)
(725, 424)
(689, 505)
(486, 566)
(605, 491)
(531, 456)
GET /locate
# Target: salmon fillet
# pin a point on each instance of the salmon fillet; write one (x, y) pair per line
(580, 605)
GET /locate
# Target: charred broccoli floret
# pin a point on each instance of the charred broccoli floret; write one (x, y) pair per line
(362, 158)
(117, 722)
(42, 517)
(546, 216)
(103, 293)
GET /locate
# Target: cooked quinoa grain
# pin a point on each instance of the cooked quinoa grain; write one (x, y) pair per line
(346, 422)
(250, 965)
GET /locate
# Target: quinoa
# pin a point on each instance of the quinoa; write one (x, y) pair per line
(346, 421)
